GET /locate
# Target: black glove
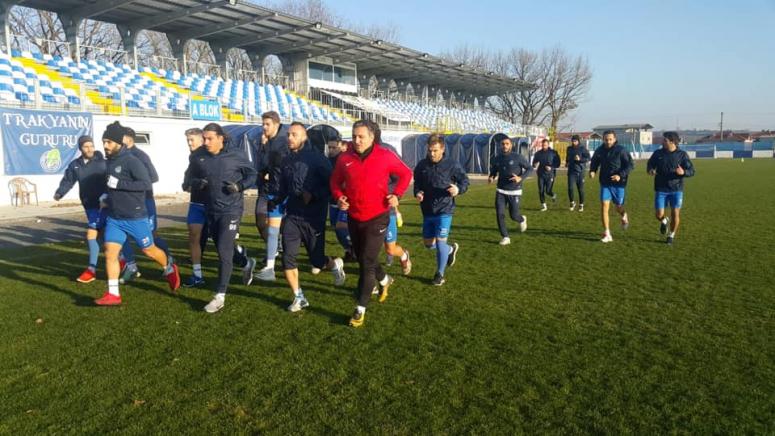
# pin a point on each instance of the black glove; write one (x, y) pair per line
(199, 184)
(233, 187)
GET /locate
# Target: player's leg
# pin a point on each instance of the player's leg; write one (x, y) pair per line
(660, 198)
(93, 218)
(605, 206)
(571, 190)
(292, 231)
(368, 242)
(115, 237)
(446, 253)
(542, 185)
(618, 199)
(195, 221)
(392, 249)
(224, 229)
(262, 222)
(275, 218)
(580, 187)
(500, 214)
(140, 231)
(512, 201)
(676, 203)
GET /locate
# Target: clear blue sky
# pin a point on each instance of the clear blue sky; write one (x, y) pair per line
(661, 62)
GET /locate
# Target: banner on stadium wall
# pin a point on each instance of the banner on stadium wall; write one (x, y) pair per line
(41, 142)
(205, 110)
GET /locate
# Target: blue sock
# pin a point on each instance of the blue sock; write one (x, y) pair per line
(128, 252)
(94, 252)
(442, 254)
(343, 236)
(272, 242)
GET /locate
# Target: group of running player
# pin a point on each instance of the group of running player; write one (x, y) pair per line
(611, 162)
(356, 188)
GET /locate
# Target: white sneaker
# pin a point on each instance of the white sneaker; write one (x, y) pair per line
(338, 272)
(572, 206)
(315, 271)
(523, 224)
(581, 208)
(215, 304)
(266, 274)
(505, 241)
(247, 272)
(543, 207)
(606, 238)
(299, 303)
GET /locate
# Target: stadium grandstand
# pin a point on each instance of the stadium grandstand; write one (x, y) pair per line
(324, 69)
(330, 76)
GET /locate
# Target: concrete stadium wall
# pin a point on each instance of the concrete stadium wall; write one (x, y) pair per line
(167, 149)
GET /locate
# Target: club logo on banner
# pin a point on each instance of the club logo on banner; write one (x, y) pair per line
(41, 142)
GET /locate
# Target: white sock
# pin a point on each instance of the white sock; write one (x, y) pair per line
(298, 293)
(361, 309)
(91, 268)
(221, 296)
(672, 234)
(168, 269)
(270, 263)
(607, 232)
(113, 287)
(404, 256)
(664, 220)
(384, 281)
(198, 270)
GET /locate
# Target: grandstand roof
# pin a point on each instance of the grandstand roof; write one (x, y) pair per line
(239, 23)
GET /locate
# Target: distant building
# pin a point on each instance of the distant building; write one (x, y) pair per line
(635, 135)
(729, 136)
(588, 139)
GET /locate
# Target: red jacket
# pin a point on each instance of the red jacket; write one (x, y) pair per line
(365, 181)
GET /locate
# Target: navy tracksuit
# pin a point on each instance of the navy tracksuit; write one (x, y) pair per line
(664, 163)
(197, 196)
(608, 162)
(433, 179)
(541, 160)
(127, 200)
(266, 161)
(304, 172)
(210, 174)
(508, 192)
(90, 177)
(576, 170)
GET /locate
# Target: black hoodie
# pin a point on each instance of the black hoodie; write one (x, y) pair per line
(126, 197)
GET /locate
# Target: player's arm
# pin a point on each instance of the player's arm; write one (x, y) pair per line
(140, 179)
(584, 154)
(687, 165)
(527, 170)
(398, 168)
(67, 182)
(627, 164)
(493, 170)
(320, 188)
(247, 172)
(594, 163)
(150, 169)
(651, 165)
(460, 178)
(337, 180)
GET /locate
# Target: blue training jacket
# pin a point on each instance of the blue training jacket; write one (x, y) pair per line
(127, 199)
(433, 179)
(90, 177)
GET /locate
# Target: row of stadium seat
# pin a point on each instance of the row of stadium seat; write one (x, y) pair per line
(249, 97)
(468, 120)
(17, 85)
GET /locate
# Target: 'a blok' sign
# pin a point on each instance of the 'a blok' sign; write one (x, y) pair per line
(41, 142)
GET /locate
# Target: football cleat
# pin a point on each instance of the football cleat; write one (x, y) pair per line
(438, 279)
(357, 319)
(383, 289)
(247, 271)
(108, 299)
(453, 254)
(194, 282)
(173, 278)
(87, 276)
(406, 265)
(298, 304)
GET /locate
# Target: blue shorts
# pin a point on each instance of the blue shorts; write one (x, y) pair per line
(150, 206)
(392, 229)
(436, 226)
(196, 214)
(117, 231)
(278, 211)
(96, 218)
(673, 199)
(612, 193)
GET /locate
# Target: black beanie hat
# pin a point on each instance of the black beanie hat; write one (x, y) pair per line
(114, 132)
(84, 139)
(575, 138)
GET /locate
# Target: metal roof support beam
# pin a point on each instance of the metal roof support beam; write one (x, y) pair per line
(5, 10)
(97, 8)
(222, 27)
(248, 40)
(179, 52)
(129, 41)
(308, 43)
(345, 48)
(71, 24)
(164, 18)
(376, 55)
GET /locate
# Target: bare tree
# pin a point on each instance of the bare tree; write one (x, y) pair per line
(567, 82)
(559, 81)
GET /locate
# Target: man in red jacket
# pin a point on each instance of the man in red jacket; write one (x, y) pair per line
(359, 184)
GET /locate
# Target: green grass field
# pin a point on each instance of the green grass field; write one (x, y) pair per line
(556, 333)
